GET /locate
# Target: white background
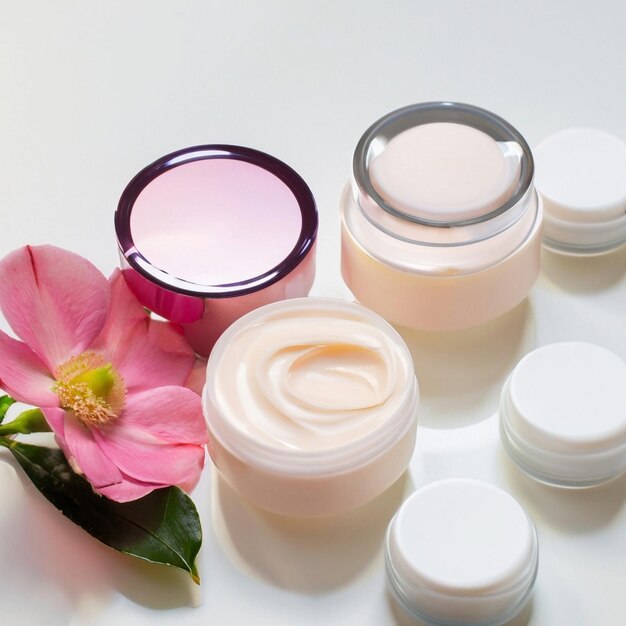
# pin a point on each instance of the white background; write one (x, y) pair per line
(92, 91)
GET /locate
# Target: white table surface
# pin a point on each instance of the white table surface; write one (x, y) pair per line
(91, 91)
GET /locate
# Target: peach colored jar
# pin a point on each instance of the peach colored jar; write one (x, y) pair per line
(311, 406)
(414, 248)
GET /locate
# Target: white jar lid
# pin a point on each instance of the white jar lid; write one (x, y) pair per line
(563, 414)
(581, 176)
(461, 552)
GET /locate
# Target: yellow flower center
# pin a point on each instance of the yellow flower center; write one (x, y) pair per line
(91, 387)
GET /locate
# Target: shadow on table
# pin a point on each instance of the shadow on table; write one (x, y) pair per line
(571, 510)
(461, 373)
(75, 574)
(303, 554)
(154, 586)
(43, 551)
(580, 274)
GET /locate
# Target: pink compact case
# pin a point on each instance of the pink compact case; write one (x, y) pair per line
(209, 233)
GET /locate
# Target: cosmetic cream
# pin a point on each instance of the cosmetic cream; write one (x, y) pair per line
(563, 414)
(441, 222)
(311, 406)
(209, 233)
(581, 177)
(461, 552)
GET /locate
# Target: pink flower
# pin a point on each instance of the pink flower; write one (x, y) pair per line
(108, 379)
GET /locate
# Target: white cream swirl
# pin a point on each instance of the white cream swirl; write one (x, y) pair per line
(309, 374)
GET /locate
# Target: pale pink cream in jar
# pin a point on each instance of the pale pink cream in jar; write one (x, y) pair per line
(311, 406)
(441, 224)
(208, 233)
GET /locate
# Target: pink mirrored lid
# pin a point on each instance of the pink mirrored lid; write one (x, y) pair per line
(216, 221)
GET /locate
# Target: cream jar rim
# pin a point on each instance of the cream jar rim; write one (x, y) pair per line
(345, 457)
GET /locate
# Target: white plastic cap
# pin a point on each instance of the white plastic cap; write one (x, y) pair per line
(580, 174)
(461, 552)
(563, 414)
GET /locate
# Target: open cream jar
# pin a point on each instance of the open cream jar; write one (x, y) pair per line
(311, 406)
(441, 225)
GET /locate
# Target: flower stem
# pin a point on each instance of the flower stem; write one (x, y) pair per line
(27, 422)
(5, 403)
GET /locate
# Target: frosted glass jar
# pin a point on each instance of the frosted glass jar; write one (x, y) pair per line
(461, 552)
(581, 177)
(563, 414)
(441, 224)
(311, 406)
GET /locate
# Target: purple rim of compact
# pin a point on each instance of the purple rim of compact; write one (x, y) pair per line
(281, 170)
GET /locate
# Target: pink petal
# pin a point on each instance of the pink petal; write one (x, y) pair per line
(197, 377)
(150, 441)
(56, 421)
(168, 414)
(23, 375)
(127, 490)
(148, 353)
(54, 300)
(190, 484)
(81, 444)
(152, 462)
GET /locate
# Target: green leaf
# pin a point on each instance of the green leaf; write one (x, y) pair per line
(27, 422)
(5, 403)
(162, 527)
